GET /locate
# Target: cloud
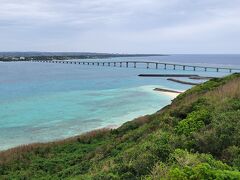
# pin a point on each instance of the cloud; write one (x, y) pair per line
(149, 26)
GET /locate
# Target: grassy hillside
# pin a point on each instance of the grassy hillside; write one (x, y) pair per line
(196, 137)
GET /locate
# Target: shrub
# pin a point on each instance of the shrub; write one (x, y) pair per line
(231, 155)
(193, 122)
(144, 163)
(202, 171)
(223, 132)
(160, 170)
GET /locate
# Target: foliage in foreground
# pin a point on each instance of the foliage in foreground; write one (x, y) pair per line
(196, 137)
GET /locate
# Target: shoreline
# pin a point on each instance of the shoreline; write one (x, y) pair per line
(171, 93)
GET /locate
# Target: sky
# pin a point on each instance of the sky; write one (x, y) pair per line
(121, 26)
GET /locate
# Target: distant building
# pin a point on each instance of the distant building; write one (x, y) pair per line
(22, 58)
(15, 59)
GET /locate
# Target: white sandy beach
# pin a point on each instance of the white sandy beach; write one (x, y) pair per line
(170, 94)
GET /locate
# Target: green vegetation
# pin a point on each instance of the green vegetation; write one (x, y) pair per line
(196, 137)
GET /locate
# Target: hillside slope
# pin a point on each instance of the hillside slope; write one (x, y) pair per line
(196, 137)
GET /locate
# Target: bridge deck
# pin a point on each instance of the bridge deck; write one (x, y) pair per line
(147, 63)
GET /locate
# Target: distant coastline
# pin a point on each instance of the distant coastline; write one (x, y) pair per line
(28, 56)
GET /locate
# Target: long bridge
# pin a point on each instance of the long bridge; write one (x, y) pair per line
(147, 64)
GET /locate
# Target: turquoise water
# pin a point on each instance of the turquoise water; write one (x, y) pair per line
(41, 102)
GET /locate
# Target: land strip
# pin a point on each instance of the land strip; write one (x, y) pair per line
(182, 82)
(167, 90)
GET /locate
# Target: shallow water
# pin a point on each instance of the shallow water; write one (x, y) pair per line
(42, 102)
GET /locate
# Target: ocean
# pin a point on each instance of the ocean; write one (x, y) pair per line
(42, 102)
